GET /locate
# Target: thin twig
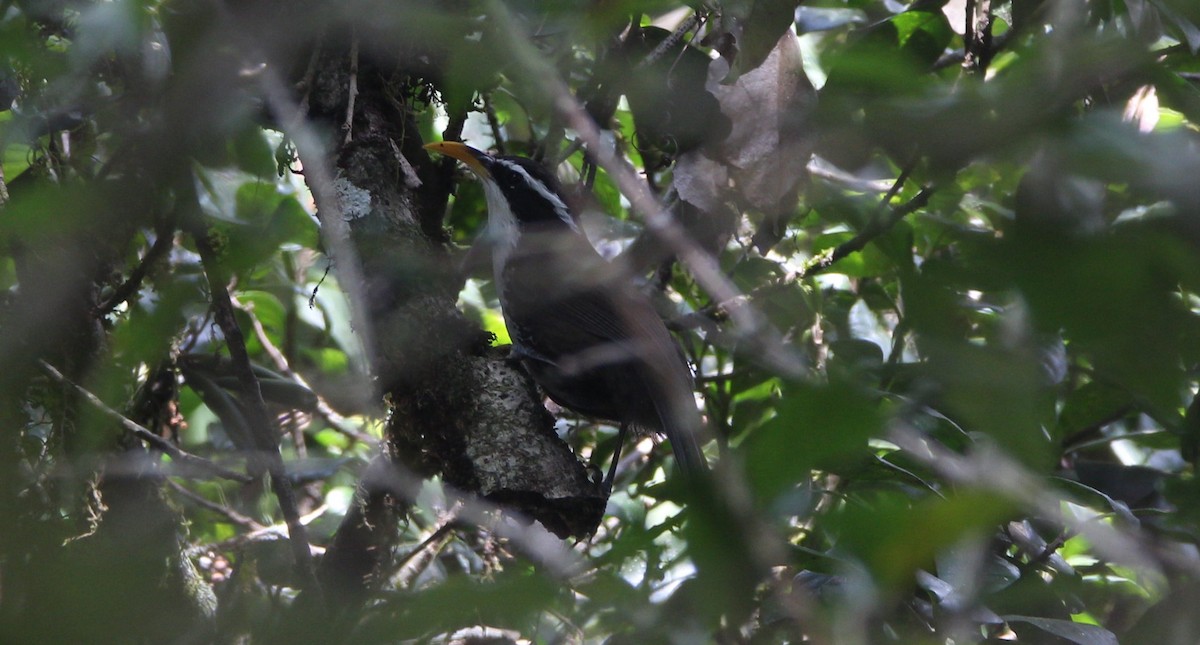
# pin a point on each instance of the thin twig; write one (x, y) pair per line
(896, 186)
(162, 243)
(424, 552)
(986, 468)
(880, 225)
(335, 420)
(229, 514)
(883, 221)
(690, 23)
(765, 547)
(860, 241)
(970, 54)
(272, 532)
(139, 431)
(489, 109)
(259, 421)
(534, 540)
(310, 74)
(352, 93)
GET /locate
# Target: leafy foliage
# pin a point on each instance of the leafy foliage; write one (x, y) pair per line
(952, 385)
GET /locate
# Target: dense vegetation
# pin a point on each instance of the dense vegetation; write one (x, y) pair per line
(937, 267)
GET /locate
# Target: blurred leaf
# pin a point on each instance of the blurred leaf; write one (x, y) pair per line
(671, 106)
(723, 587)
(267, 308)
(869, 262)
(897, 244)
(329, 360)
(332, 439)
(1091, 406)
(810, 19)
(815, 427)
(253, 154)
(1102, 502)
(894, 539)
(924, 34)
(851, 360)
(1110, 324)
(266, 219)
(505, 601)
(255, 201)
(786, 305)
(607, 193)
(996, 392)
(1183, 20)
(1033, 628)
(16, 158)
(1138, 487)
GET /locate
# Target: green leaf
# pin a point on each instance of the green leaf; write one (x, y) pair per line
(995, 391)
(1035, 629)
(1092, 405)
(867, 263)
(266, 307)
(253, 154)
(493, 322)
(328, 360)
(815, 427)
(895, 538)
(507, 601)
(924, 34)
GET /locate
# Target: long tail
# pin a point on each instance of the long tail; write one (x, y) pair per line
(685, 445)
(681, 423)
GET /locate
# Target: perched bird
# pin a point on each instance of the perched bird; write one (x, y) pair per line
(580, 326)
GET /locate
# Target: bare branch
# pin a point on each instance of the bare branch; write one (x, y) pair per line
(669, 43)
(250, 398)
(987, 468)
(143, 433)
(162, 243)
(412, 564)
(877, 227)
(229, 514)
(331, 416)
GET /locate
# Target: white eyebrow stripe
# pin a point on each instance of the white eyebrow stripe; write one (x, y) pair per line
(560, 208)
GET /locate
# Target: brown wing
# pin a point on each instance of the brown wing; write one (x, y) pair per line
(596, 344)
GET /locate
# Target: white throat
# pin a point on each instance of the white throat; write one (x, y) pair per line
(502, 226)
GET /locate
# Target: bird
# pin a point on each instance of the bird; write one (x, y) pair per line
(578, 323)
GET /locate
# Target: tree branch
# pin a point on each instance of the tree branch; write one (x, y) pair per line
(872, 230)
(143, 433)
(331, 416)
(250, 398)
(164, 240)
(228, 513)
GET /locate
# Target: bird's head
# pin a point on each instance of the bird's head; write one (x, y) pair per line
(519, 190)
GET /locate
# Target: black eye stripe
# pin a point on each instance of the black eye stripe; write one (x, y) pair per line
(533, 192)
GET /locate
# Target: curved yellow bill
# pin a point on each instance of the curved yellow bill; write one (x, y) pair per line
(464, 153)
